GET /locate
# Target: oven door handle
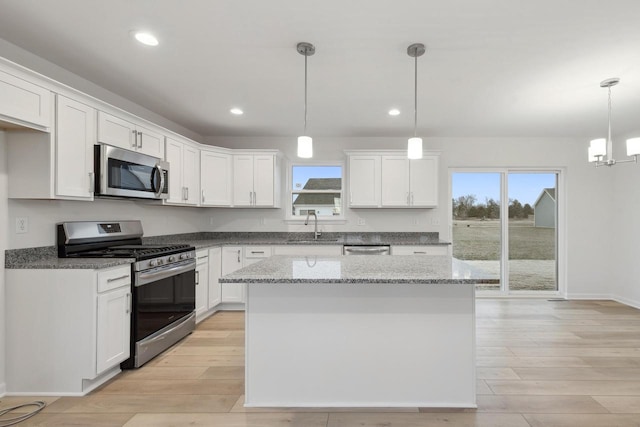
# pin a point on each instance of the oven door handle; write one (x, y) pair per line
(143, 278)
(160, 187)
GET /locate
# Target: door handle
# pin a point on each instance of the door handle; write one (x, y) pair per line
(113, 279)
(135, 139)
(238, 256)
(128, 309)
(140, 139)
(202, 196)
(197, 278)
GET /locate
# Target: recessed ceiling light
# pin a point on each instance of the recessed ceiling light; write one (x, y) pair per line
(146, 38)
(236, 111)
(394, 112)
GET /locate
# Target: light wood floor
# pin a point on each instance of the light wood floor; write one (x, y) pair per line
(540, 363)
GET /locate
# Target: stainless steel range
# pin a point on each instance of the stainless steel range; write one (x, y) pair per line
(163, 303)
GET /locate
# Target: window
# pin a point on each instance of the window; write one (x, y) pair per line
(316, 189)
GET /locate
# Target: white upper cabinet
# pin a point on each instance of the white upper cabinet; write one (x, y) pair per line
(184, 177)
(75, 136)
(364, 181)
(388, 179)
(23, 103)
(122, 133)
(215, 178)
(256, 180)
(409, 183)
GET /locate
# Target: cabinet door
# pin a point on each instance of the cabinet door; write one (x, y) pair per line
(242, 180)
(116, 131)
(215, 178)
(232, 261)
(215, 272)
(23, 102)
(149, 142)
(190, 174)
(174, 157)
(420, 250)
(202, 283)
(75, 137)
(113, 328)
(424, 182)
(395, 181)
(263, 180)
(364, 181)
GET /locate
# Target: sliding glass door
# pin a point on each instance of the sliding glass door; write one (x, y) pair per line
(505, 223)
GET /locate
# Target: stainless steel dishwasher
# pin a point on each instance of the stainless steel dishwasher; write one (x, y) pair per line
(366, 250)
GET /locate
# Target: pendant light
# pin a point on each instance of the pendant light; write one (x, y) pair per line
(414, 146)
(601, 147)
(305, 143)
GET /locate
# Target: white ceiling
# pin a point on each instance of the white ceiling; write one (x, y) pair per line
(492, 67)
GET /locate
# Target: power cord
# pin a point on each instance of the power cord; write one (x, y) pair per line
(6, 422)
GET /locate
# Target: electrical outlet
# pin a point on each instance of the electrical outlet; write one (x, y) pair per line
(361, 221)
(211, 221)
(22, 225)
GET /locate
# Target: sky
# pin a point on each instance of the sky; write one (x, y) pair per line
(302, 173)
(525, 187)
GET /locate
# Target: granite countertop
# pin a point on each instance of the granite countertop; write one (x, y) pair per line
(208, 239)
(47, 257)
(410, 269)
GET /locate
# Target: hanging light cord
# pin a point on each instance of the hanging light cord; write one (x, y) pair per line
(609, 117)
(6, 422)
(415, 96)
(306, 53)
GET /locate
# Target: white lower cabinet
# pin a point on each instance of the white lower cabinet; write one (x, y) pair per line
(308, 250)
(202, 283)
(420, 250)
(232, 261)
(74, 328)
(215, 272)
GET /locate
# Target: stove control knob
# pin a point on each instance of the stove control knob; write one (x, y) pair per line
(183, 256)
(171, 258)
(152, 263)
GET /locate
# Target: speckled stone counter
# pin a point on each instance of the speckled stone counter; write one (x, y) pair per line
(46, 257)
(360, 269)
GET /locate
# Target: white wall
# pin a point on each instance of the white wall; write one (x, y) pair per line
(3, 247)
(588, 223)
(44, 214)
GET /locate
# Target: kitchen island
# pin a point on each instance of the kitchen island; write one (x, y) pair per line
(360, 331)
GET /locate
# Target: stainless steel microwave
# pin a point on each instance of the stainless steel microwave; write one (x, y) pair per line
(124, 173)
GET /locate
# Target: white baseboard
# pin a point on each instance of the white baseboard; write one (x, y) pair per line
(626, 301)
(589, 296)
(3, 389)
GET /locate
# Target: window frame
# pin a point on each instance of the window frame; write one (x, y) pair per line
(289, 217)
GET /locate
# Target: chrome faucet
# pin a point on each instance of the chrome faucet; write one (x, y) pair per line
(316, 233)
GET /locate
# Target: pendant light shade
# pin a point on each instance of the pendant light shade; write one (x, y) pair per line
(305, 147)
(305, 143)
(414, 145)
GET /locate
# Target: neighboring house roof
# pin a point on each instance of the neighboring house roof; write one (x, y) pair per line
(323, 184)
(319, 198)
(550, 191)
(316, 199)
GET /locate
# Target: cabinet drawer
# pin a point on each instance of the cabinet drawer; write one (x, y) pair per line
(306, 250)
(419, 250)
(257, 252)
(114, 278)
(202, 256)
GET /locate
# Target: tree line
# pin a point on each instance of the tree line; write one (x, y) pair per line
(468, 207)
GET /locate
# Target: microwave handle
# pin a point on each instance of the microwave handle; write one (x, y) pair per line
(161, 185)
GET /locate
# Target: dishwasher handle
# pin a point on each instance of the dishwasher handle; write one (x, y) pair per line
(366, 250)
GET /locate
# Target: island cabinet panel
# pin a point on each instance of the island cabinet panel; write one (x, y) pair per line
(365, 344)
(24, 103)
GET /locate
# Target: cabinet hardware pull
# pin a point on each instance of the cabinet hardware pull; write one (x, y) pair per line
(202, 196)
(92, 182)
(250, 197)
(203, 257)
(408, 199)
(257, 252)
(412, 198)
(187, 189)
(135, 138)
(117, 278)
(128, 310)
(238, 256)
(140, 140)
(419, 252)
(197, 278)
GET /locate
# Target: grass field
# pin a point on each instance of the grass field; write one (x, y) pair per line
(531, 251)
